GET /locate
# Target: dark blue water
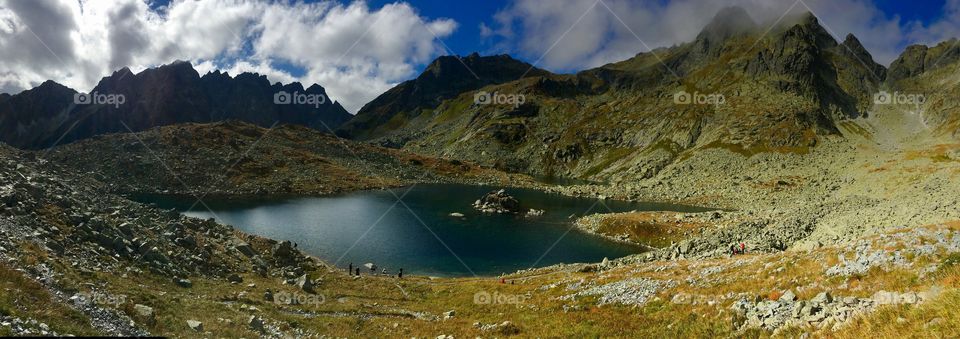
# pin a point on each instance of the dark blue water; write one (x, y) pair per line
(417, 233)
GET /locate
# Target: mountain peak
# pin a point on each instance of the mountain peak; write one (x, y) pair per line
(728, 22)
(51, 84)
(918, 59)
(853, 45)
(446, 77)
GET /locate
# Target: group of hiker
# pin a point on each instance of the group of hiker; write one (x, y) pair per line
(738, 249)
(373, 270)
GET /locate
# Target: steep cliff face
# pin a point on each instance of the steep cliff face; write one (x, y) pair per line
(918, 59)
(733, 87)
(166, 95)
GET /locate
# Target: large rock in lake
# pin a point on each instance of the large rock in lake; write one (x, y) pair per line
(499, 202)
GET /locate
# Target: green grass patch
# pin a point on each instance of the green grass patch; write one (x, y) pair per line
(23, 297)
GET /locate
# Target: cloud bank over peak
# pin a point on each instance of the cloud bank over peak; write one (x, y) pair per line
(570, 35)
(354, 51)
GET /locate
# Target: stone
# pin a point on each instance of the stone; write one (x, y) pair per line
(822, 298)
(145, 312)
(195, 325)
(448, 314)
(255, 323)
(498, 202)
(304, 283)
(235, 278)
(457, 215)
(185, 283)
(788, 296)
(244, 248)
(798, 309)
(284, 253)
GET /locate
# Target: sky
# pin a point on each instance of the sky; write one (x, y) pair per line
(357, 50)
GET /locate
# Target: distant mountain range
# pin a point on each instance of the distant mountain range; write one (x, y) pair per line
(738, 86)
(169, 94)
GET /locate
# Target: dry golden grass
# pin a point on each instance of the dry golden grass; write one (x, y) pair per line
(655, 229)
(382, 306)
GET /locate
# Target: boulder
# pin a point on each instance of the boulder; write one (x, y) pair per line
(498, 202)
(284, 253)
(788, 296)
(304, 283)
(195, 325)
(145, 312)
(235, 278)
(244, 248)
(822, 298)
(255, 323)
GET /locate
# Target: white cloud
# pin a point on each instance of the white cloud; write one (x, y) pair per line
(353, 51)
(531, 27)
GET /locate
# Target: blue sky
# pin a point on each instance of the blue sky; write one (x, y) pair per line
(470, 15)
(358, 50)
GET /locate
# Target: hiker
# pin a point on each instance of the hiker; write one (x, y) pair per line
(400, 275)
(358, 271)
(743, 248)
(733, 250)
(350, 270)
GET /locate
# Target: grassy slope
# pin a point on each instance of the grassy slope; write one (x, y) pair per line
(385, 306)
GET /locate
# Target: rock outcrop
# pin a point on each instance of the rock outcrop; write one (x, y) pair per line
(498, 202)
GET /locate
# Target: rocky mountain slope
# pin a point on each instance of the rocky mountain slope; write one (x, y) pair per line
(445, 78)
(237, 158)
(169, 94)
(732, 87)
(925, 80)
(80, 261)
(63, 235)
